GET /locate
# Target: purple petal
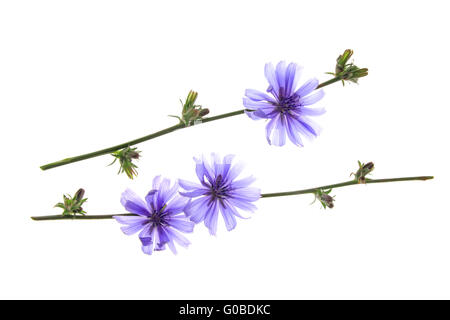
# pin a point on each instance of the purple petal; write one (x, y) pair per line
(133, 203)
(146, 235)
(312, 112)
(235, 171)
(242, 183)
(293, 134)
(228, 217)
(269, 72)
(227, 160)
(187, 185)
(242, 204)
(179, 238)
(177, 205)
(247, 194)
(147, 249)
(150, 199)
(308, 87)
(269, 128)
(281, 75)
(279, 133)
(207, 169)
(232, 209)
(183, 225)
(159, 245)
(256, 115)
(211, 218)
(163, 236)
(194, 193)
(132, 228)
(156, 182)
(163, 192)
(199, 169)
(136, 208)
(310, 126)
(293, 73)
(130, 219)
(172, 247)
(196, 210)
(256, 95)
(312, 98)
(263, 106)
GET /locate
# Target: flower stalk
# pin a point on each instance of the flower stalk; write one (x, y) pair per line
(315, 191)
(192, 115)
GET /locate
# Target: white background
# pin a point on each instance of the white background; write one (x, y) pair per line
(76, 76)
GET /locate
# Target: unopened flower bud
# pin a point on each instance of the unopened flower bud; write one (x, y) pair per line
(125, 158)
(203, 112)
(363, 171)
(191, 113)
(79, 194)
(341, 61)
(346, 71)
(72, 205)
(324, 198)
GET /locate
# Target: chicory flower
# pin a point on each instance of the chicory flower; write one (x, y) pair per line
(284, 105)
(219, 190)
(159, 219)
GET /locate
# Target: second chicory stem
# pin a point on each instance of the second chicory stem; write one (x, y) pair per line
(264, 195)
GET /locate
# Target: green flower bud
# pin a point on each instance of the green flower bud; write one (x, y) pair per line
(323, 196)
(72, 205)
(191, 112)
(363, 170)
(125, 158)
(348, 71)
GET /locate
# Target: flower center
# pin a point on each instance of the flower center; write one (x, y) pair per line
(155, 218)
(285, 104)
(218, 188)
(158, 217)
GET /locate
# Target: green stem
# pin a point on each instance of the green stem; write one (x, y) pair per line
(326, 83)
(151, 136)
(80, 217)
(340, 185)
(264, 195)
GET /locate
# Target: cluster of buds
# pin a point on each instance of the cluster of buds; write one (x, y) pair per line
(191, 112)
(324, 198)
(72, 205)
(126, 157)
(348, 71)
(363, 170)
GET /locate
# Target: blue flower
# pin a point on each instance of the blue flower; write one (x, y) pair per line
(159, 218)
(286, 107)
(219, 191)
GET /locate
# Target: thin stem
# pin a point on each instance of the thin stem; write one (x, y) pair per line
(79, 217)
(326, 83)
(342, 184)
(264, 195)
(151, 136)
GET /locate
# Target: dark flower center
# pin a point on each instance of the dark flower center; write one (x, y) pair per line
(158, 217)
(218, 188)
(286, 103)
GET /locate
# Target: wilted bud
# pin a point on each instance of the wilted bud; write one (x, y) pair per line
(126, 157)
(324, 198)
(363, 171)
(72, 205)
